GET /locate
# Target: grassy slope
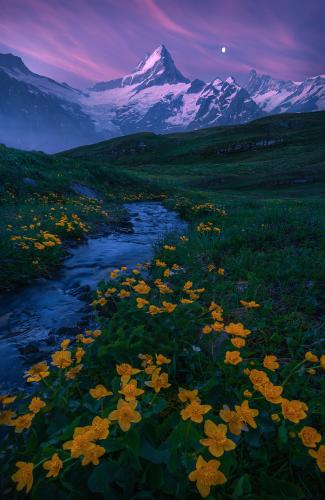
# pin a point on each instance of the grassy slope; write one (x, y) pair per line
(194, 161)
(272, 249)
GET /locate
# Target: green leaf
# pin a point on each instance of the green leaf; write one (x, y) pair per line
(242, 486)
(154, 455)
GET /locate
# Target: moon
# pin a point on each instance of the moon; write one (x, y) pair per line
(223, 50)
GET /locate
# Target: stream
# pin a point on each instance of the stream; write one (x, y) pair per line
(34, 319)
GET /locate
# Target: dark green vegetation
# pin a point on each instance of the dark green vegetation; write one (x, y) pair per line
(279, 154)
(271, 247)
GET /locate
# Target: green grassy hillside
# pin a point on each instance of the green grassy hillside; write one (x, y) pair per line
(280, 153)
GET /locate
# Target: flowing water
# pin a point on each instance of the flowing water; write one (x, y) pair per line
(31, 319)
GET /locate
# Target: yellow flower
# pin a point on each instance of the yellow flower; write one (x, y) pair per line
(123, 294)
(99, 427)
(187, 395)
(23, 422)
(195, 411)
(125, 371)
(294, 410)
(169, 247)
(102, 301)
(73, 372)
(249, 305)
(186, 301)
(141, 302)
(169, 307)
(159, 263)
(6, 417)
(275, 417)
(36, 405)
(92, 454)
(155, 310)
(64, 344)
(7, 400)
(247, 414)
(23, 476)
(206, 475)
(125, 414)
(217, 440)
(97, 333)
(37, 372)
(233, 420)
(39, 246)
(53, 466)
(221, 271)
(162, 360)
(247, 394)
(61, 359)
(310, 437)
(206, 329)
(233, 358)
(238, 342)
(158, 381)
(188, 285)
(217, 327)
(99, 392)
(130, 390)
(270, 362)
(272, 393)
(309, 356)
(320, 457)
(80, 352)
(237, 329)
(258, 378)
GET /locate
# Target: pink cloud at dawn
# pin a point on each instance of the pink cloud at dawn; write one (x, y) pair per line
(91, 40)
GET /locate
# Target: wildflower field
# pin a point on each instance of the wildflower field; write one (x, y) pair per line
(205, 375)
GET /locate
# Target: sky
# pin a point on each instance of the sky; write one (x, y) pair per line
(86, 41)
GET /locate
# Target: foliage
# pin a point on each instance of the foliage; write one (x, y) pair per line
(199, 381)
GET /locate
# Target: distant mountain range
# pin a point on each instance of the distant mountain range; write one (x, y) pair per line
(37, 112)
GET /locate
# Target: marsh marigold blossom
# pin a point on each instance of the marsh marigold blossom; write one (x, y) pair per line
(162, 360)
(100, 427)
(130, 390)
(37, 372)
(272, 393)
(294, 410)
(23, 422)
(141, 302)
(310, 436)
(238, 342)
(270, 362)
(158, 381)
(233, 419)
(216, 440)
(233, 358)
(23, 476)
(247, 414)
(195, 411)
(258, 378)
(125, 371)
(187, 395)
(319, 455)
(309, 356)
(206, 475)
(125, 414)
(53, 466)
(36, 405)
(237, 329)
(61, 359)
(250, 304)
(99, 392)
(6, 417)
(169, 307)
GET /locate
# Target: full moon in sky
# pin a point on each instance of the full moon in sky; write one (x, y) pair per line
(223, 50)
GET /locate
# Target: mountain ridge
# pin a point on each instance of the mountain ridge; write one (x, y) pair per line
(154, 97)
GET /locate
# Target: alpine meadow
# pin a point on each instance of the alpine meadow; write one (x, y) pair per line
(162, 250)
